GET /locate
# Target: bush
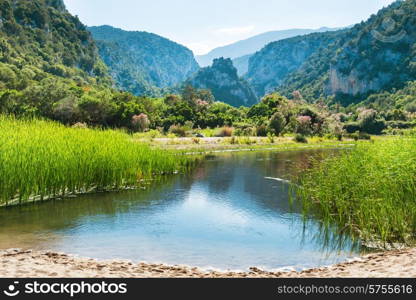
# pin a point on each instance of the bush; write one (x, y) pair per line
(411, 107)
(178, 130)
(300, 138)
(270, 138)
(224, 132)
(399, 124)
(304, 125)
(243, 129)
(370, 122)
(140, 122)
(277, 123)
(359, 136)
(352, 127)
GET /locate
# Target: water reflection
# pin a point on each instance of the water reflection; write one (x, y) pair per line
(224, 214)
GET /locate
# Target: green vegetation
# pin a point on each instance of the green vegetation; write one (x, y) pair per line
(142, 63)
(369, 191)
(276, 62)
(50, 68)
(43, 159)
(39, 39)
(342, 67)
(224, 83)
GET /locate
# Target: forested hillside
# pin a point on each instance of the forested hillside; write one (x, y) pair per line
(271, 66)
(373, 56)
(142, 62)
(42, 37)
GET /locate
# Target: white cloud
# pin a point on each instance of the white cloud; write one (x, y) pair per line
(235, 30)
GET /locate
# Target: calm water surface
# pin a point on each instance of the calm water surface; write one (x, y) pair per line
(229, 213)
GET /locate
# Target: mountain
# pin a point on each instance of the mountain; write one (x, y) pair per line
(373, 56)
(269, 67)
(241, 64)
(142, 62)
(224, 83)
(252, 45)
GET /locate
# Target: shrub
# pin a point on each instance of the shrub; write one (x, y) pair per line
(277, 123)
(304, 125)
(261, 130)
(140, 122)
(411, 107)
(352, 127)
(270, 138)
(224, 132)
(178, 130)
(370, 122)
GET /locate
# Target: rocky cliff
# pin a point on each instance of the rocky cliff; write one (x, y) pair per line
(270, 67)
(225, 84)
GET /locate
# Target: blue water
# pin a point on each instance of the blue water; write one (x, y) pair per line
(226, 214)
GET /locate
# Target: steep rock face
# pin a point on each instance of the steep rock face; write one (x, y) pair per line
(145, 58)
(351, 84)
(380, 55)
(223, 81)
(269, 67)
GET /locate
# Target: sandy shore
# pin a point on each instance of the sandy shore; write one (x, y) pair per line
(19, 263)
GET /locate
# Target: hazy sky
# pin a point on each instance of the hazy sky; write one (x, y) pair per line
(205, 24)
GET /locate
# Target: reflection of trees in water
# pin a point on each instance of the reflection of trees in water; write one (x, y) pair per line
(250, 172)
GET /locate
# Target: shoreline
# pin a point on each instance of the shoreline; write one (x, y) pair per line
(19, 263)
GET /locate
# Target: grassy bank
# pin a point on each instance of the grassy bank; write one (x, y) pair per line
(369, 191)
(45, 159)
(220, 144)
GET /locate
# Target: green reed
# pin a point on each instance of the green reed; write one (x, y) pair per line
(43, 159)
(369, 192)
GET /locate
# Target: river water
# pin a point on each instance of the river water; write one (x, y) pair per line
(230, 213)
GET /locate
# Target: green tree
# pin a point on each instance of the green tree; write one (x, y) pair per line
(277, 123)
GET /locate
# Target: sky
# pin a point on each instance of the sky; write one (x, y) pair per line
(203, 25)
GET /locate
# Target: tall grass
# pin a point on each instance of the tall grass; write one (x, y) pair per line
(44, 159)
(369, 191)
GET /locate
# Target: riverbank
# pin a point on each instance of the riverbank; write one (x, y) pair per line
(22, 264)
(43, 160)
(242, 144)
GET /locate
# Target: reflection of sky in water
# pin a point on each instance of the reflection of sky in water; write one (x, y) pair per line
(225, 214)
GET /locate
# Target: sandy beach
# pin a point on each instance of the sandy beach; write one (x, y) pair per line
(21, 263)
